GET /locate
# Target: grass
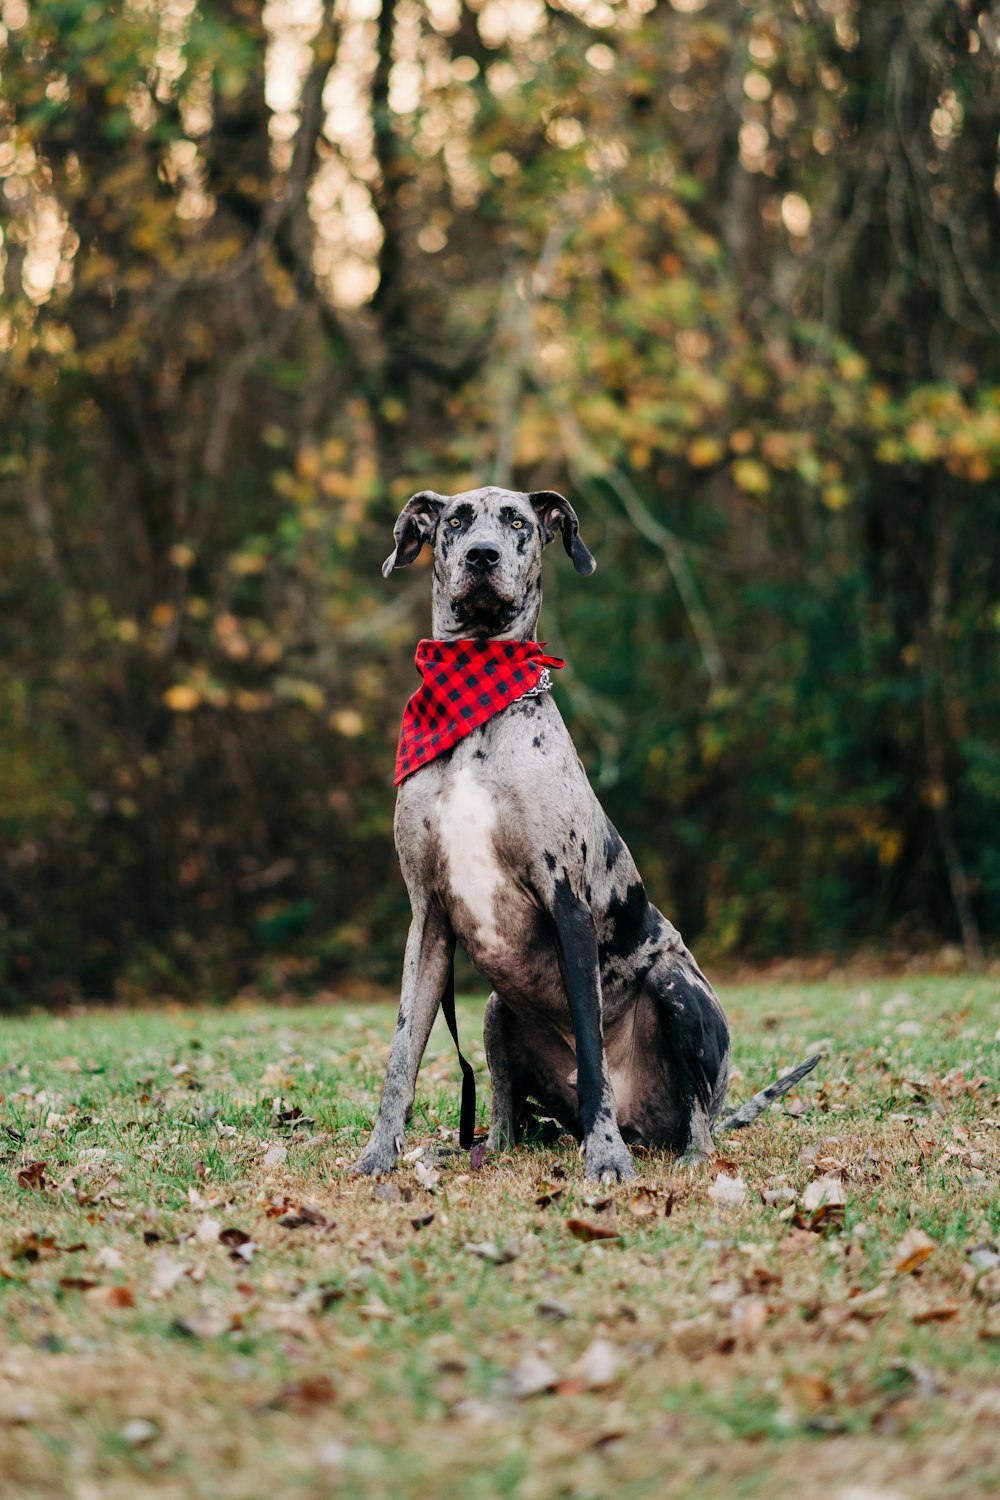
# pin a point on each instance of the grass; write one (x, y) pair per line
(720, 1349)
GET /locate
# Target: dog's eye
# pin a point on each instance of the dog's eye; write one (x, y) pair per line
(454, 523)
(517, 525)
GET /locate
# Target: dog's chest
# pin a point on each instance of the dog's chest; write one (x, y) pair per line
(470, 873)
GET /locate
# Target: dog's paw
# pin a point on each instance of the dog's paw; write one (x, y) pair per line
(608, 1161)
(377, 1159)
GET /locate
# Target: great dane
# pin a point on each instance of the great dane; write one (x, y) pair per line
(599, 1014)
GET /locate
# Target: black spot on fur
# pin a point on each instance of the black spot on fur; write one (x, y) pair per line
(613, 845)
(427, 824)
(693, 1038)
(479, 755)
(572, 835)
(628, 917)
(550, 860)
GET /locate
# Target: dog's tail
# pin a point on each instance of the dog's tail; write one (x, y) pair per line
(747, 1113)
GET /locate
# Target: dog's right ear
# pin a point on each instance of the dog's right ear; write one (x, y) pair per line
(414, 526)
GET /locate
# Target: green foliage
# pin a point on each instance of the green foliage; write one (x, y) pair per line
(726, 273)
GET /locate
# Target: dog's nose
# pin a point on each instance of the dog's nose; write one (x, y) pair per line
(482, 558)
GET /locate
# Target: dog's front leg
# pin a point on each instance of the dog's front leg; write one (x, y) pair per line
(606, 1154)
(430, 951)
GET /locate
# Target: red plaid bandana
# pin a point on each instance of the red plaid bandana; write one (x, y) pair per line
(465, 683)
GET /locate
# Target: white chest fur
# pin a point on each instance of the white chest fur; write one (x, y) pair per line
(466, 819)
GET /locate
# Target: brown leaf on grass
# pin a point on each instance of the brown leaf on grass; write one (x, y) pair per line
(32, 1176)
(584, 1229)
(275, 1207)
(599, 1202)
(421, 1221)
(304, 1215)
(724, 1164)
(77, 1283)
(547, 1193)
(233, 1237)
(303, 1394)
(113, 1297)
(477, 1156)
(643, 1203)
(387, 1192)
(34, 1247)
(941, 1310)
(912, 1250)
(809, 1392)
(822, 1203)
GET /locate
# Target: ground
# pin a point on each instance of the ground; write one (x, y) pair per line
(196, 1303)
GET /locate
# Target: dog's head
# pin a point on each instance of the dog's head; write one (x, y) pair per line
(487, 556)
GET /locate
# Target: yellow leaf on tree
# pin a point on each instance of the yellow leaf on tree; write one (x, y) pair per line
(181, 698)
(751, 476)
(704, 452)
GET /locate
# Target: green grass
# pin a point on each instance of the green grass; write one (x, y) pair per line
(756, 1349)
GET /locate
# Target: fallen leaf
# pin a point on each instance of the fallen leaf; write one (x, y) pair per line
(109, 1259)
(375, 1310)
(809, 1392)
(531, 1377)
(308, 1391)
(643, 1203)
(32, 1176)
(207, 1232)
(728, 1192)
(940, 1311)
(596, 1368)
(422, 1221)
(477, 1156)
(386, 1192)
(34, 1247)
(138, 1432)
(233, 1237)
(912, 1250)
(205, 1325)
(583, 1229)
(167, 1272)
(822, 1203)
(487, 1250)
(428, 1177)
(275, 1155)
(115, 1297)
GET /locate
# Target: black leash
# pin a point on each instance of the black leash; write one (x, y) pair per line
(467, 1119)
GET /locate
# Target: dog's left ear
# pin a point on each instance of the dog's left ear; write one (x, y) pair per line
(553, 511)
(414, 526)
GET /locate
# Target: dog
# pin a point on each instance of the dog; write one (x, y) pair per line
(599, 1014)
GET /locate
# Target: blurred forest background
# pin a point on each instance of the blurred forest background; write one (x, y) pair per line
(727, 272)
